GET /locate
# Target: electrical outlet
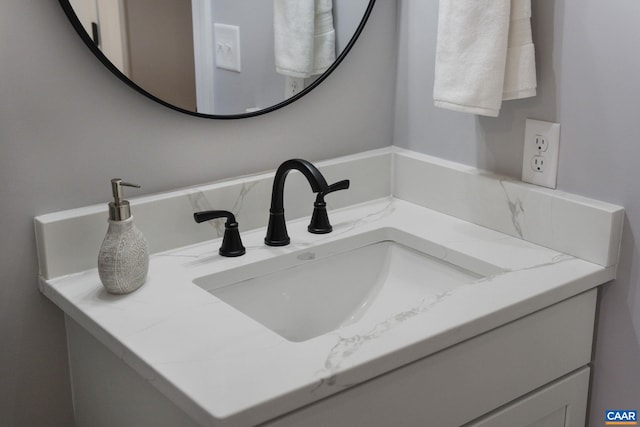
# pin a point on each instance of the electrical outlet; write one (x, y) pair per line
(293, 86)
(541, 149)
(538, 164)
(541, 142)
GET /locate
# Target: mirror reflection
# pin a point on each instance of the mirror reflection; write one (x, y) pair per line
(221, 57)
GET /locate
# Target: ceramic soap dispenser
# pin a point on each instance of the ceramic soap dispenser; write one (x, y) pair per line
(123, 260)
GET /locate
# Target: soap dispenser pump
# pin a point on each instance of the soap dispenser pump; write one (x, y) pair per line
(123, 260)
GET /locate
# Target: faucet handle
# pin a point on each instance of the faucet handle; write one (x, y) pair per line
(319, 219)
(231, 241)
(340, 185)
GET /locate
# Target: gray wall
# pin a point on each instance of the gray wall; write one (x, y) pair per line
(588, 67)
(67, 126)
(346, 18)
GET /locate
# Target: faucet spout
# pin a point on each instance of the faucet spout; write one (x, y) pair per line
(277, 229)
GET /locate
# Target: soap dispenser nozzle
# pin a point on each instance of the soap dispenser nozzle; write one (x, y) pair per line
(119, 209)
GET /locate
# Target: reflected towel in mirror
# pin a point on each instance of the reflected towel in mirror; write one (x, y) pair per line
(484, 55)
(304, 37)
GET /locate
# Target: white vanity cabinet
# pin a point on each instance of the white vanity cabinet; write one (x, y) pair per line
(509, 346)
(529, 372)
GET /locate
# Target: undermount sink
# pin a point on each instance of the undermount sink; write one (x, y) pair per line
(313, 291)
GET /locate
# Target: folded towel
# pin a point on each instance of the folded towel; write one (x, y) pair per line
(484, 54)
(324, 44)
(304, 37)
(520, 72)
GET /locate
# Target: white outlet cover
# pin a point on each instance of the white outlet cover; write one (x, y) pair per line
(227, 45)
(293, 86)
(548, 174)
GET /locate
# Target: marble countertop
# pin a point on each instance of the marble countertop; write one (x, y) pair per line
(221, 366)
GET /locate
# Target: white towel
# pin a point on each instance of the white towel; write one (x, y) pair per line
(520, 72)
(324, 42)
(484, 54)
(304, 37)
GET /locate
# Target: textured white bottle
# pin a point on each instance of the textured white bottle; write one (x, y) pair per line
(123, 261)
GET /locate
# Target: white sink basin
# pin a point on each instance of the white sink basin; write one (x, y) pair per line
(311, 292)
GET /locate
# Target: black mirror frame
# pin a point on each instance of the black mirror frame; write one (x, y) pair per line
(73, 18)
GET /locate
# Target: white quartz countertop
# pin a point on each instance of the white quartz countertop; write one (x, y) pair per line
(222, 367)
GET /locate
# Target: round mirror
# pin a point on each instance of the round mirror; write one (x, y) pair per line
(222, 59)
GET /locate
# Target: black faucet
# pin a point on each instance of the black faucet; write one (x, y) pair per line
(231, 242)
(277, 228)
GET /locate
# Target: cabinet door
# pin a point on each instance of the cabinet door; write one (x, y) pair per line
(561, 404)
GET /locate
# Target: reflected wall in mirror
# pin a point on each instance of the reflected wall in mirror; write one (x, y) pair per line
(217, 58)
